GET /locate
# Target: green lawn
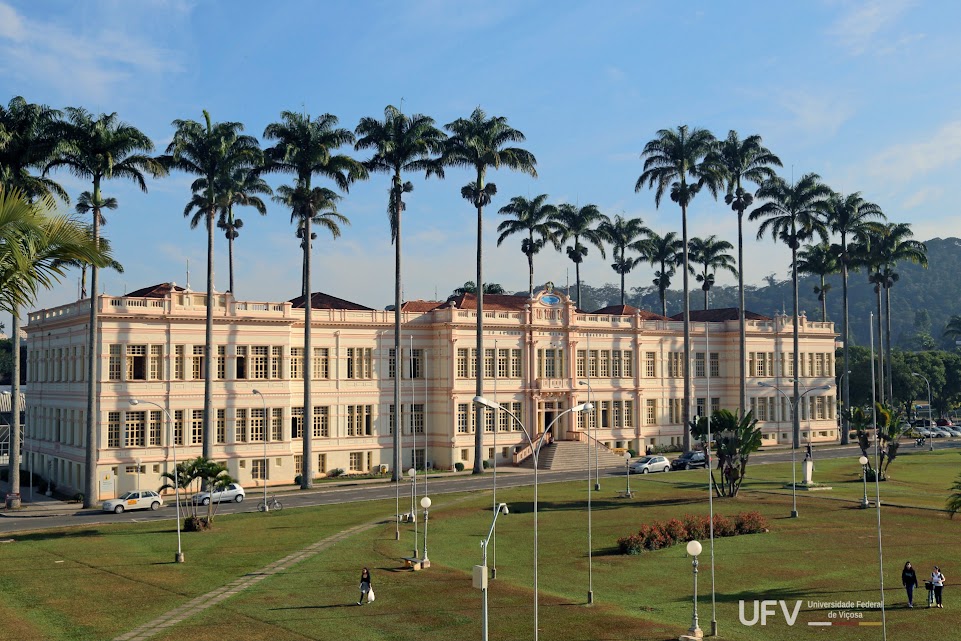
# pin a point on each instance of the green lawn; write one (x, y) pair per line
(114, 578)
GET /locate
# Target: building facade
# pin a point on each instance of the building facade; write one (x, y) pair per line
(541, 356)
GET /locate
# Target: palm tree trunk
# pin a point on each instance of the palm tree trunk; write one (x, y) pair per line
(880, 383)
(396, 473)
(577, 275)
(306, 468)
(663, 300)
(705, 298)
(530, 271)
(209, 351)
(83, 281)
(479, 389)
(14, 460)
(797, 355)
(742, 337)
(846, 391)
(230, 262)
(686, 410)
(824, 302)
(622, 277)
(90, 495)
(887, 342)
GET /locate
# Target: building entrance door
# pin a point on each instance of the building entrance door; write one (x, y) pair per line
(549, 412)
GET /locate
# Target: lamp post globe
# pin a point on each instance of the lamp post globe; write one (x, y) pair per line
(694, 548)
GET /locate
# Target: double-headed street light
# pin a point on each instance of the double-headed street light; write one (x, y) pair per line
(179, 556)
(480, 577)
(480, 400)
(266, 428)
(794, 415)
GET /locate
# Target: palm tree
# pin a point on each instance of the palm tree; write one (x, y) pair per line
(953, 328)
(743, 161)
(240, 188)
(625, 234)
(536, 219)
(36, 248)
(304, 148)
(479, 142)
(29, 141)
(792, 214)
(896, 246)
(99, 148)
(821, 261)
(664, 252)
(470, 287)
(212, 151)
(580, 222)
(847, 217)
(711, 254)
(673, 158)
(401, 144)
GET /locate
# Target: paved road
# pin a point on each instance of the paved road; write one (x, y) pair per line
(436, 486)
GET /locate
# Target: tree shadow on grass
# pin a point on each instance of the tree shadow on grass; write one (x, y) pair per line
(48, 535)
(315, 607)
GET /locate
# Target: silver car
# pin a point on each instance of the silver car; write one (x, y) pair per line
(146, 500)
(233, 492)
(647, 464)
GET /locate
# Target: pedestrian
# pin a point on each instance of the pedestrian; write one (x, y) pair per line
(365, 588)
(909, 579)
(937, 580)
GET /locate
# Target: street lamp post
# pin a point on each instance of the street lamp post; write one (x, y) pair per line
(480, 571)
(930, 422)
(794, 405)
(480, 400)
(425, 503)
(266, 428)
(179, 556)
(412, 473)
(137, 460)
(627, 464)
(694, 633)
(863, 460)
(839, 402)
(590, 524)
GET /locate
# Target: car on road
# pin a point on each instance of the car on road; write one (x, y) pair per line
(146, 500)
(233, 492)
(647, 464)
(689, 461)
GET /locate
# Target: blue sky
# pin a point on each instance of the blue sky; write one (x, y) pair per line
(863, 93)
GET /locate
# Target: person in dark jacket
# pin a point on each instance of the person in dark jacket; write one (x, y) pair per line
(909, 579)
(364, 586)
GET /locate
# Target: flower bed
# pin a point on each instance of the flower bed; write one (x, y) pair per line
(659, 534)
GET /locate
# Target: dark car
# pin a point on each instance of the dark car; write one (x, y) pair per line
(689, 461)
(943, 422)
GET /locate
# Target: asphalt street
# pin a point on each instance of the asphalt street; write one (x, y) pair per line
(612, 481)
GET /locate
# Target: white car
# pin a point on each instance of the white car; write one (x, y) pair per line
(134, 501)
(232, 492)
(647, 464)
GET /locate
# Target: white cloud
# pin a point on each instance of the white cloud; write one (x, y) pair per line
(818, 114)
(921, 196)
(900, 163)
(857, 27)
(78, 65)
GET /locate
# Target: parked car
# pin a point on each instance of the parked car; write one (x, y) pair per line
(232, 492)
(921, 422)
(943, 422)
(145, 500)
(953, 431)
(939, 432)
(689, 461)
(647, 464)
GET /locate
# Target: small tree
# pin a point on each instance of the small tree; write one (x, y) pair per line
(953, 504)
(861, 422)
(734, 440)
(890, 431)
(192, 476)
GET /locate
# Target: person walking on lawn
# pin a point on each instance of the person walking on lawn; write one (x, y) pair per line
(365, 588)
(909, 579)
(937, 580)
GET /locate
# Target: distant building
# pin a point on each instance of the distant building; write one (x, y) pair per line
(540, 357)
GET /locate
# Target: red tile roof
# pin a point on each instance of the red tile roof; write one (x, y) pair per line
(320, 300)
(628, 310)
(156, 291)
(422, 305)
(719, 315)
(492, 302)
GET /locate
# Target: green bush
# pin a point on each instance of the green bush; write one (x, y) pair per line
(298, 479)
(632, 452)
(486, 464)
(334, 473)
(458, 466)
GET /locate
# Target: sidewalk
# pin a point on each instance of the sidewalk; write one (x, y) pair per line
(36, 504)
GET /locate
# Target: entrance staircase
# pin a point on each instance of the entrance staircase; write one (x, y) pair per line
(572, 455)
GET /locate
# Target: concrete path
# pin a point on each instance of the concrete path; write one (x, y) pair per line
(205, 601)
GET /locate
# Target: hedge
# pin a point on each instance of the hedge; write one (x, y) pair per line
(658, 535)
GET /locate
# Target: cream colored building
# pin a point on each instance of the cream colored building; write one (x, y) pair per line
(540, 357)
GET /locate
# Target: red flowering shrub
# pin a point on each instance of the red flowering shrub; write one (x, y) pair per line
(723, 526)
(676, 531)
(658, 535)
(657, 538)
(697, 526)
(750, 523)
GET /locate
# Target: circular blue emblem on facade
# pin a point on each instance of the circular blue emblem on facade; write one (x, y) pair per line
(550, 299)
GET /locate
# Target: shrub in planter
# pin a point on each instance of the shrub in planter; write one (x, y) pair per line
(78, 497)
(676, 531)
(334, 473)
(723, 526)
(749, 523)
(459, 466)
(298, 479)
(697, 526)
(42, 486)
(486, 464)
